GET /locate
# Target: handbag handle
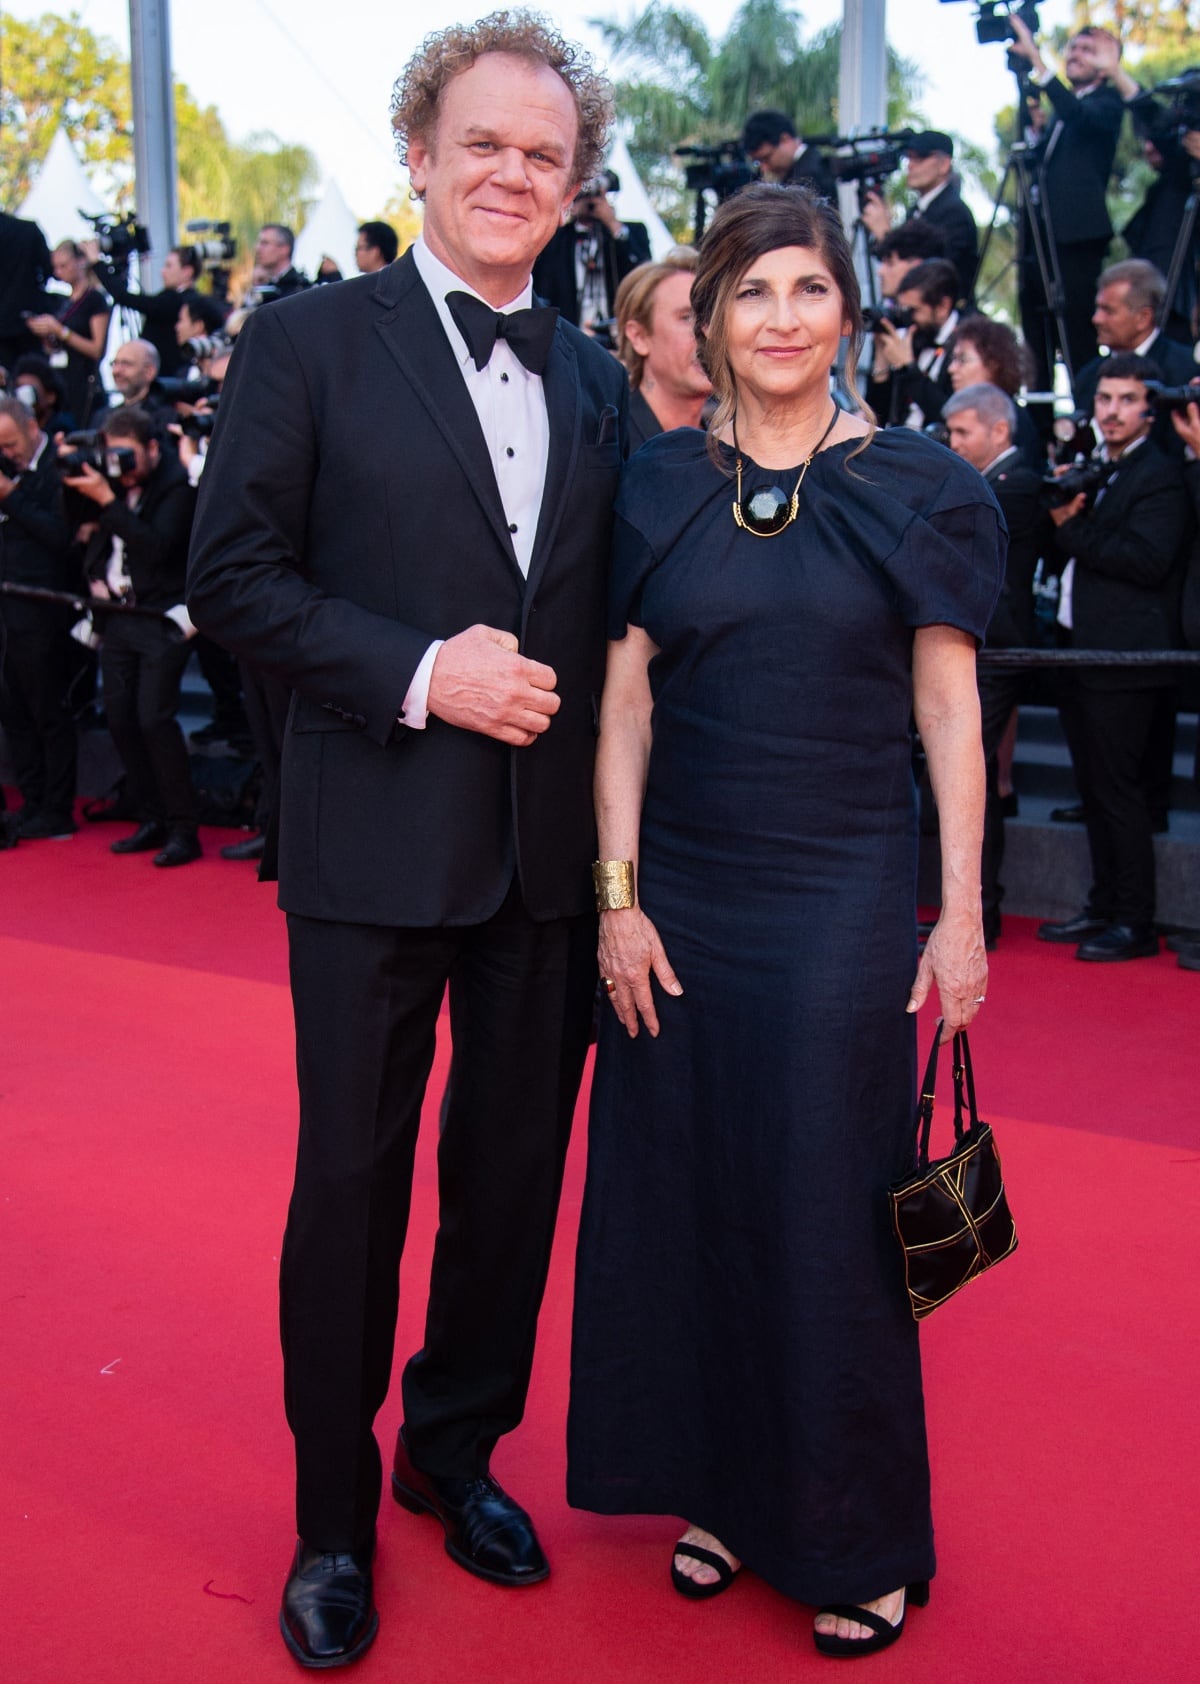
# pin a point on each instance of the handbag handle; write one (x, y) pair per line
(963, 1075)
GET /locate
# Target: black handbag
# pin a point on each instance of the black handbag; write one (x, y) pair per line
(951, 1216)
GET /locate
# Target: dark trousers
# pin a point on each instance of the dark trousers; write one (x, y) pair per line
(1115, 728)
(141, 668)
(999, 693)
(1079, 267)
(366, 1003)
(267, 700)
(33, 707)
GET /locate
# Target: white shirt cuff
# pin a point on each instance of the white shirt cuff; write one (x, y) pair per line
(415, 710)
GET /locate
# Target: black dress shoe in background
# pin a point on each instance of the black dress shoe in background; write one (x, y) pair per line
(43, 826)
(328, 1615)
(1080, 928)
(1120, 941)
(250, 848)
(151, 833)
(486, 1531)
(1067, 815)
(181, 848)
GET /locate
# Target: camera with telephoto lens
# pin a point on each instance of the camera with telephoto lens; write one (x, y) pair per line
(199, 424)
(216, 254)
(723, 169)
(895, 315)
(1086, 477)
(870, 162)
(207, 345)
(608, 181)
(119, 237)
(1171, 397)
(88, 450)
(1183, 95)
(186, 391)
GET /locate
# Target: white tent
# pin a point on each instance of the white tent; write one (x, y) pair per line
(330, 231)
(60, 192)
(632, 203)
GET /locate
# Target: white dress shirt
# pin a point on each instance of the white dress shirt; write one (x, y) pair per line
(511, 405)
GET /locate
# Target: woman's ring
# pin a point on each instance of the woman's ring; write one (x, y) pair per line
(609, 984)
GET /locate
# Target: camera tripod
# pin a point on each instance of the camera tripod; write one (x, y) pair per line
(1184, 252)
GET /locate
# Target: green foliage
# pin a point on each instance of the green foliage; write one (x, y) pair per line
(57, 73)
(679, 86)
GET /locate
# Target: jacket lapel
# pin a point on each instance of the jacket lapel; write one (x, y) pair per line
(560, 382)
(409, 327)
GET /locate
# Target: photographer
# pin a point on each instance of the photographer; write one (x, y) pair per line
(1074, 155)
(587, 259)
(273, 269)
(1129, 299)
(769, 140)
(981, 421)
(911, 243)
(656, 340)
(911, 379)
(138, 554)
(159, 310)
(201, 322)
(1126, 546)
(134, 369)
(377, 245)
(929, 169)
(35, 642)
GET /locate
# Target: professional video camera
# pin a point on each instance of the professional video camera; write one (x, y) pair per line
(723, 169)
(119, 237)
(1086, 477)
(872, 159)
(1183, 98)
(200, 425)
(88, 450)
(874, 316)
(1171, 397)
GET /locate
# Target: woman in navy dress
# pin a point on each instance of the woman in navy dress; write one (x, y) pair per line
(788, 595)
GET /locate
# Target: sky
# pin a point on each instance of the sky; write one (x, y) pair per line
(320, 72)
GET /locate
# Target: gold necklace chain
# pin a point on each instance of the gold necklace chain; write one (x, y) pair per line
(794, 504)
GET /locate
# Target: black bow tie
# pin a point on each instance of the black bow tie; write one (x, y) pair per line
(529, 332)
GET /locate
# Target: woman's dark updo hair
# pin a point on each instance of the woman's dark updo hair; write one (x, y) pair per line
(761, 218)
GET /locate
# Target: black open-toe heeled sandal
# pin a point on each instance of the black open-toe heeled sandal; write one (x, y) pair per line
(688, 1587)
(845, 1648)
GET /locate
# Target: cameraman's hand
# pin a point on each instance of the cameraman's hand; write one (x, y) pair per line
(876, 215)
(894, 347)
(1187, 424)
(600, 210)
(94, 486)
(91, 250)
(1024, 46)
(480, 683)
(189, 449)
(1068, 511)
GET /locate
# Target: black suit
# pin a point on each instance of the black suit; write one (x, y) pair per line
(349, 514)
(142, 660)
(35, 646)
(1129, 551)
(159, 312)
(1017, 489)
(1074, 160)
(24, 271)
(952, 218)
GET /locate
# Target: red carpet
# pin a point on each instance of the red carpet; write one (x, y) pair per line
(146, 1104)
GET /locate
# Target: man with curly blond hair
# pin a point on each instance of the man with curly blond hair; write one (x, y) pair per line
(405, 517)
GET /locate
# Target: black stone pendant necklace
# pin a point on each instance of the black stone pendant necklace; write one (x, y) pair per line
(771, 510)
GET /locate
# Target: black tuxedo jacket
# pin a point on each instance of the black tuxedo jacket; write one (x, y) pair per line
(155, 535)
(348, 515)
(1076, 160)
(1177, 367)
(1130, 550)
(953, 220)
(1017, 489)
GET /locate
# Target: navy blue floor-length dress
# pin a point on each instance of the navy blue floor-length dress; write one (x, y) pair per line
(743, 1353)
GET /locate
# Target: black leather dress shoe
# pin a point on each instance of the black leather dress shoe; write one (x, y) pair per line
(151, 833)
(486, 1531)
(1079, 928)
(1120, 941)
(181, 847)
(1067, 815)
(249, 848)
(328, 1616)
